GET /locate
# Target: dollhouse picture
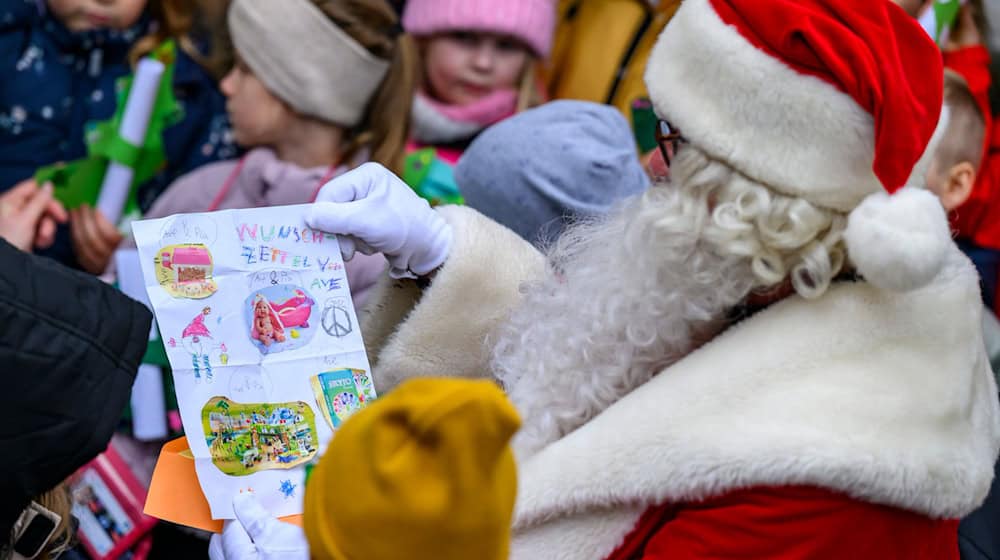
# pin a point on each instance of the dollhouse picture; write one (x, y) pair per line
(247, 438)
(185, 271)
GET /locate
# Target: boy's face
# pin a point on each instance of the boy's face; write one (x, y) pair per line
(88, 15)
(953, 185)
(937, 179)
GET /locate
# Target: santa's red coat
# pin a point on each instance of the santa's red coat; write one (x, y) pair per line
(787, 523)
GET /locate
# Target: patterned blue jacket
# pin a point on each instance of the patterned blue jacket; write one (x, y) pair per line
(55, 81)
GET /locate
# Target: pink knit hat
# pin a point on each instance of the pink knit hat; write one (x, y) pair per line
(531, 21)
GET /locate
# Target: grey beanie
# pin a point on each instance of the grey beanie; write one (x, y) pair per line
(565, 159)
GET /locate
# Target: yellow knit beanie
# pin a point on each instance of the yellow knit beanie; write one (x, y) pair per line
(423, 473)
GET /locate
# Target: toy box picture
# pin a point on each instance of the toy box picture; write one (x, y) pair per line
(341, 393)
(102, 518)
(363, 381)
(107, 504)
(247, 438)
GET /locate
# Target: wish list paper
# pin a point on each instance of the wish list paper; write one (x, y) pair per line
(263, 339)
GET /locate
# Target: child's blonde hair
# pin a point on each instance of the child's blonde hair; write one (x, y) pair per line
(386, 124)
(964, 137)
(176, 19)
(530, 92)
(979, 15)
(59, 500)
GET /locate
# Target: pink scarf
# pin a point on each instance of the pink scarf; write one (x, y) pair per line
(435, 122)
(488, 110)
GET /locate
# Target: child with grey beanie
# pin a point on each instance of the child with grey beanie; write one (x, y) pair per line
(538, 170)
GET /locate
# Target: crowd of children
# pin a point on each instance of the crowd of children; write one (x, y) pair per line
(533, 113)
(63, 61)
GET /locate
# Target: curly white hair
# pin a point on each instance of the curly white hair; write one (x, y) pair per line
(631, 293)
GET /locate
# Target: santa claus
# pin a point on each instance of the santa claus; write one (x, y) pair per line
(775, 354)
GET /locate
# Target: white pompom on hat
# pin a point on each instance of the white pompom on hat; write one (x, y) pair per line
(912, 224)
(834, 102)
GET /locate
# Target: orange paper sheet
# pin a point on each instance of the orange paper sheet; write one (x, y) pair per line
(175, 495)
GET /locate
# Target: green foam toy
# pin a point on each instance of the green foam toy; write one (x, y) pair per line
(79, 182)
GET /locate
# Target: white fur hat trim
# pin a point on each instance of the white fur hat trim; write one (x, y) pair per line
(795, 133)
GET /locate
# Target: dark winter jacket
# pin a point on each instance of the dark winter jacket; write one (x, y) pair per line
(55, 81)
(70, 346)
(979, 532)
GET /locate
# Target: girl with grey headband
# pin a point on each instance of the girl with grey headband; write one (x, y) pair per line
(317, 89)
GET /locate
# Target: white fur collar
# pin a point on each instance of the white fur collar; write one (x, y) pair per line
(886, 397)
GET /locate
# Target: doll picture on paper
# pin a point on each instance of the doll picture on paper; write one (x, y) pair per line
(244, 438)
(185, 270)
(280, 318)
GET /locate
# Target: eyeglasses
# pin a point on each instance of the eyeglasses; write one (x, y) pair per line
(669, 139)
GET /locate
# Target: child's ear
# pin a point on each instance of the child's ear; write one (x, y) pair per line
(961, 180)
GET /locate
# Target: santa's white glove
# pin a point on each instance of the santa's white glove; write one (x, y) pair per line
(257, 535)
(373, 211)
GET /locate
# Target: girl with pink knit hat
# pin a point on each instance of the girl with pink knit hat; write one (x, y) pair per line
(478, 60)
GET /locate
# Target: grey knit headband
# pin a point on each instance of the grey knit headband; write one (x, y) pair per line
(305, 59)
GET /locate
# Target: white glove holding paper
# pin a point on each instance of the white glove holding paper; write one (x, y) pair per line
(375, 212)
(257, 535)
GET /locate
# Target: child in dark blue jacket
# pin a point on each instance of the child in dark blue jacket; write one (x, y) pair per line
(60, 60)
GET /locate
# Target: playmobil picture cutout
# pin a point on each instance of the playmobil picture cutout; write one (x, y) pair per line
(185, 271)
(251, 304)
(280, 318)
(250, 437)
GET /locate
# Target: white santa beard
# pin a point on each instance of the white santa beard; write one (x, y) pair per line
(635, 291)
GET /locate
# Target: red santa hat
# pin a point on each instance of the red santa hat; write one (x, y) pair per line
(836, 102)
(196, 328)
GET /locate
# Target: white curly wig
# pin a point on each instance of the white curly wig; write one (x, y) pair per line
(631, 293)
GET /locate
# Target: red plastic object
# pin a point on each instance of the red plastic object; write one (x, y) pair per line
(108, 502)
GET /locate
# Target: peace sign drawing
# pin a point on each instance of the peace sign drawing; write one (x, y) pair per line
(336, 319)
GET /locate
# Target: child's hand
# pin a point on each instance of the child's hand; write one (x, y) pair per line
(966, 31)
(94, 238)
(28, 215)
